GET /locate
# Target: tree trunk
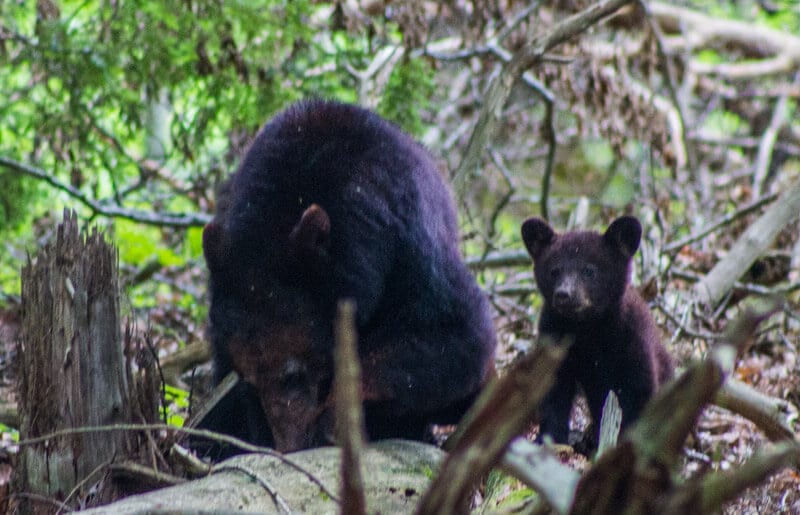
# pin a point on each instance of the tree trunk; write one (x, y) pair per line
(71, 364)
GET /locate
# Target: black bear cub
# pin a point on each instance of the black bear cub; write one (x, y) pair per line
(583, 279)
(333, 202)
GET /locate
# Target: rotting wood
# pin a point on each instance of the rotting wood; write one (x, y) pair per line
(71, 364)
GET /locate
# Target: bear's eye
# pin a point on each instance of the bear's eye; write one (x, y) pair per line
(294, 382)
(294, 376)
(587, 272)
(555, 272)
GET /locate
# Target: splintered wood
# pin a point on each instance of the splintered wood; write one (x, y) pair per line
(71, 363)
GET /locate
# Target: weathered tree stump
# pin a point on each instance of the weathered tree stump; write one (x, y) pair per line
(71, 365)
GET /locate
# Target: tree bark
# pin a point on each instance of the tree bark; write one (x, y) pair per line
(71, 363)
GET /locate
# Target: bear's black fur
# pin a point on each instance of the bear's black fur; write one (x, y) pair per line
(583, 279)
(333, 202)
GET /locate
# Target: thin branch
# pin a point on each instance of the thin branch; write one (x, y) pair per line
(211, 435)
(262, 482)
(743, 142)
(499, 260)
(349, 417)
(550, 135)
(500, 87)
(767, 144)
(703, 30)
(680, 106)
(755, 289)
(722, 222)
(497, 159)
(108, 209)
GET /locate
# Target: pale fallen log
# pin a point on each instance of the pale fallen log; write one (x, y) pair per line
(398, 472)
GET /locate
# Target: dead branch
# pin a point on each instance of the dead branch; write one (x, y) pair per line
(399, 472)
(722, 222)
(768, 413)
(767, 144)
(708, 494)
(537, 467)
(349, 418)
(175, 364)
(105, 207)
(610, 423)
(501, 413)
(500, 87)
(217, 394)
(684, 152)
(755, 240)
(500, 260)
(781, 50)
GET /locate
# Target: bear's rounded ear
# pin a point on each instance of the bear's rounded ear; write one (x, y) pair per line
(214, 247)
(312, 234)
(624, 235)
(537, 235)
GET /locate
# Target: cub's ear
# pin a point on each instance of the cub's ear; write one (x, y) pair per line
(624, 235)
(537, 235)
(312, 234)
(214, 246)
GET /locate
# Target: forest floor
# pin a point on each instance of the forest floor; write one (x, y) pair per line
(721, 440)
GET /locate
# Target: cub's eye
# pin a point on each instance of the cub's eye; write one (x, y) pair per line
(587, 272)
(555, 272)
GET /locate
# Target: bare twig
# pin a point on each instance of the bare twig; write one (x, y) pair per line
(743, 141)
(549, 134)
(703, 30)
(708, 494)
(497, 159)
(766, 412)
(755, 289)
(110, 209)
(500, 87)
(499, 260)
(680, 106)
(725, 220)
(202, 433)
(767, 145)
(262, 482)
(349, 418)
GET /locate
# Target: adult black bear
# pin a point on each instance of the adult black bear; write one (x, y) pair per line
(583, 278)
(333, 202)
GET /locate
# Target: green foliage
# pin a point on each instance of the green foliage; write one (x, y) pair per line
(723, 123)
(16, 194)
(147, 105)
(13, 433)
(407, 94)
(177, 402)
(619, 191)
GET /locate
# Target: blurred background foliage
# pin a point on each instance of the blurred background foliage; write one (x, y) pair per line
(140, 107)
(148, 105)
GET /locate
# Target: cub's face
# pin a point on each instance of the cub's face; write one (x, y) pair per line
(580, 274)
